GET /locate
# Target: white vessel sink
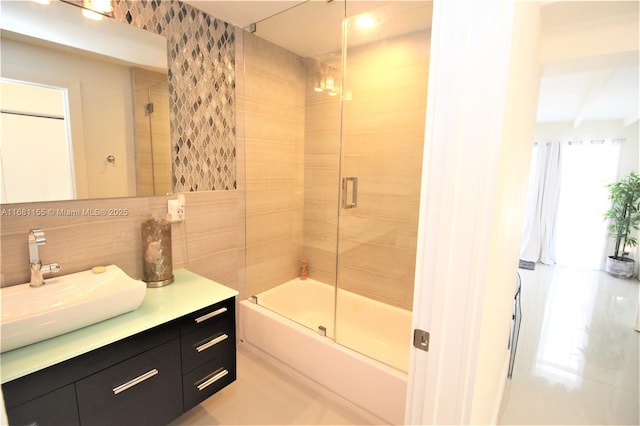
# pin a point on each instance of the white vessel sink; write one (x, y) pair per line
(65, 303)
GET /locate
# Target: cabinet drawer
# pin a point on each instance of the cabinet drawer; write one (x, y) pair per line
(204, 381)
(55, 408)
(204, 344)
(143, 390)
(209, 316)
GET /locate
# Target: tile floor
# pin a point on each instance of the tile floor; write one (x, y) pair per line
(577, 363)
(265, 395)
(577, 356)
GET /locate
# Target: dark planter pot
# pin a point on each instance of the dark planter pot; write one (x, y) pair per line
(622, 267)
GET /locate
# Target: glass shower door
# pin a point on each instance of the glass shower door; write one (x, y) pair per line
(334, 110)
(152, 132)
(384, 91)
(160, 137)
(292, 140)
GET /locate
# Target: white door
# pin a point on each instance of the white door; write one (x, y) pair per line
(471, 208)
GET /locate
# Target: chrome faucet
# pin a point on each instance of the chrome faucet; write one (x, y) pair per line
(37, 238)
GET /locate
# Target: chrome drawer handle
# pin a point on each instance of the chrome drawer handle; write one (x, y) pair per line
(211, 380)
(211, 315)
(131, 383)
(212, 342)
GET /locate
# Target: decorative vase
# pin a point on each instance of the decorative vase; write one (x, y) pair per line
(621, 267)
(157, 262)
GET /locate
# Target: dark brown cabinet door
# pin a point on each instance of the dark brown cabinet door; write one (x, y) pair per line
(144, 390)
(57, 408)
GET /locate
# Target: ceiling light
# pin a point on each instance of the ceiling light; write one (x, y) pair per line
(95, 9)
(91, 14)
(330, 83)
(100, 6)
(365, 21)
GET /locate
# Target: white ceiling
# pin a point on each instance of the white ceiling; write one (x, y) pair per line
(610, 94)
(579, 93)
(589, 52)
(240, 12)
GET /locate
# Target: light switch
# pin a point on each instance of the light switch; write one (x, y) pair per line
(176, 209)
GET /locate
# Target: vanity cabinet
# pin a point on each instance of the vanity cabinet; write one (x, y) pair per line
(149, 378)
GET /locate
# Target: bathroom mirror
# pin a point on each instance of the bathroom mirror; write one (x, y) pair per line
(116, 102)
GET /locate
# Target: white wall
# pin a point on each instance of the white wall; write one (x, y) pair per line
(589, 33)
(509, 208)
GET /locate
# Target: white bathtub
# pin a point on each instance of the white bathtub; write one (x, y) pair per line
(365, 325)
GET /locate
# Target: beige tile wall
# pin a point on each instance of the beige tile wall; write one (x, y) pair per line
(209, 242)
(274, 142)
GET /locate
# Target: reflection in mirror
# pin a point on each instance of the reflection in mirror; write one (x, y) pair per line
(115, 105)
(32, 114)
(153, 138)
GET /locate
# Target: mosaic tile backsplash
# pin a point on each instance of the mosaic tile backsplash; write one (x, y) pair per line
(201, 55)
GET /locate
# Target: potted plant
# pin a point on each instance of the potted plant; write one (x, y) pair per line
(624, 216)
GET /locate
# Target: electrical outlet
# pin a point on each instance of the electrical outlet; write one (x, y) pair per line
(176, 209)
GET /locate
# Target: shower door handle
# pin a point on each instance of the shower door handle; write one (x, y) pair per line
(349, 192)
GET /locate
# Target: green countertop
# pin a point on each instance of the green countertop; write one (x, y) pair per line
(188, 293)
